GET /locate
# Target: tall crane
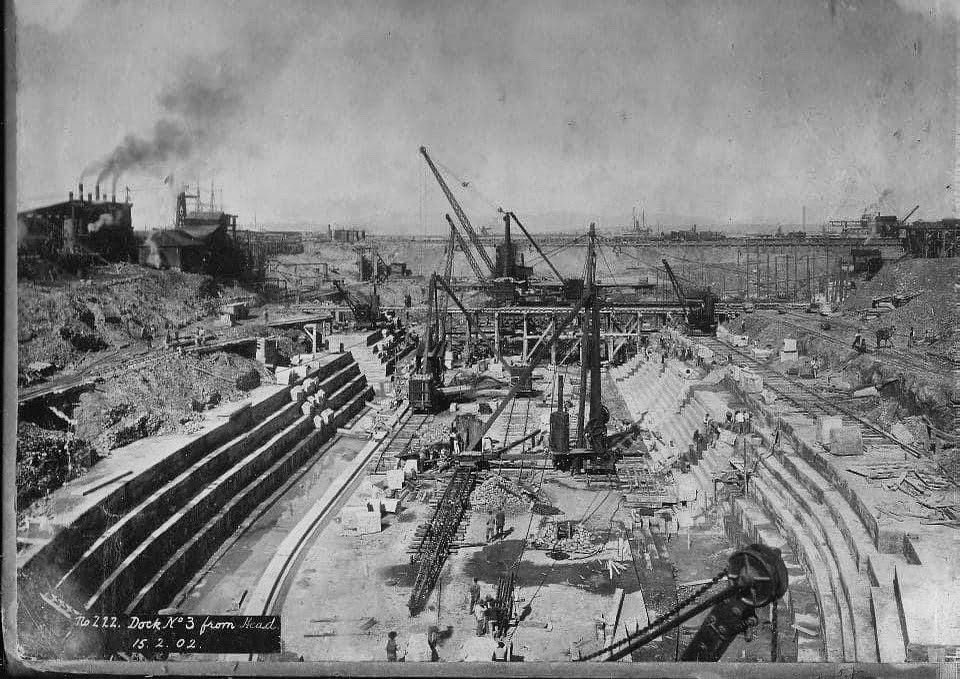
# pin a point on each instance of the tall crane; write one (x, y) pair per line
(909, 215)
(676, 285)
(471, 260)
(461, 215)
(536, 246)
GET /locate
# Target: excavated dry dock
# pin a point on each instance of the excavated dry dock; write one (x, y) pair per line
(346, 591)
(274, 535)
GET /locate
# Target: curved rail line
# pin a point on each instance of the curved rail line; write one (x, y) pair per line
(267, 597)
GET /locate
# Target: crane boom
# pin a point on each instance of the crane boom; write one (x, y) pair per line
(676, 284)
(909, 214)
(471, 260)
(536, 246)
(461, 215)
(451, 246)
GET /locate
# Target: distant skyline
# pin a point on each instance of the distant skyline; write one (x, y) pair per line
(564, 112)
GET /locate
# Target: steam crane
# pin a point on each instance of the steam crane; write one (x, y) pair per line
(909, 215)
(461, 217)
(698, 308)
(756, 577)
(426, 391)
(366, 313)
(592, 436)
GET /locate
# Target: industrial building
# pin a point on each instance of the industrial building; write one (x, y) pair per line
(93, 225)
(203, 241)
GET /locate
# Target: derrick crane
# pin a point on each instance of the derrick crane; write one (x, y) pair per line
(909, 215)
(461, 215)
(676, 285)
(365, 313)
(699, 309)
(451, 246)
(471, 260)
(536, 246)
(426, 389)
(468, 315)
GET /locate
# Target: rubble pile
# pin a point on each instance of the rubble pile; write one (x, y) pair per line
(62, 323)
(546, 537)
(46, 460)
(498, 491)
(162, 397)
(933, 313)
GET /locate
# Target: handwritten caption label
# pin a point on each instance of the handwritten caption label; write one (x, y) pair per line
(183, 633)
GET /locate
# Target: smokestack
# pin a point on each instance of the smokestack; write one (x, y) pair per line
(81, 192)
(71, 196)
(113, 198)
(89, 197)
(98, 192)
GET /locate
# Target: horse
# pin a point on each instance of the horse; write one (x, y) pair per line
(885, 335)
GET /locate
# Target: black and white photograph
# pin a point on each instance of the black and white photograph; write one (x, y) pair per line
(351, 337)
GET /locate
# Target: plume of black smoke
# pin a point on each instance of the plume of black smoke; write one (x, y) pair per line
(199, 107)
(171, 140)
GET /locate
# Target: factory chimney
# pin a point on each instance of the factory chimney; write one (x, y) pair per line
(113, 198)
(71, 196)
(98, 192)
(89, 197)
(81, 192)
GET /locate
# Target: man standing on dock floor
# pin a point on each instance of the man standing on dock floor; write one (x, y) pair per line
(392, 647)
(501, 520)
(474, 594)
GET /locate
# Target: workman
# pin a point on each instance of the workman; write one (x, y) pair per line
(490, 609)
(912, 336)
(480, 613)
(500, 652)
(474, 594)
(601, 623)
(857, 339)
(501, 520)
(491, 525)
(746, 421)
(392, 647)
(738, 422)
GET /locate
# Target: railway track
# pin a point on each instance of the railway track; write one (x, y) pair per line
(808, 400)
(900, 358)
(517, 422)
(400, 441)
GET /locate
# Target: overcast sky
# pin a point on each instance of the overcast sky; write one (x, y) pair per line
(313, 112)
